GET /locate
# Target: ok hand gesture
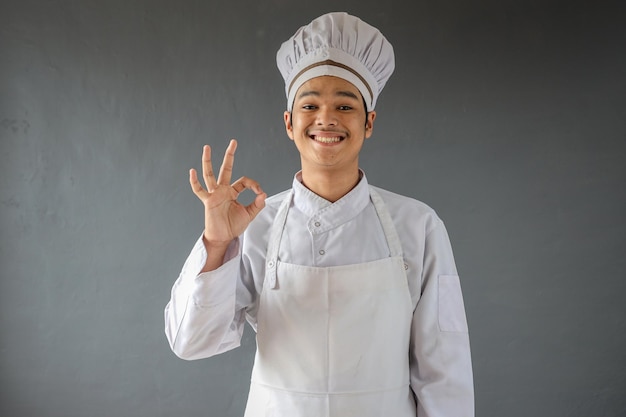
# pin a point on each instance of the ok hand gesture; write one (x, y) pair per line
(224, 217)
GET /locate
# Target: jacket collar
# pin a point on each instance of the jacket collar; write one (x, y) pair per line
(333, 214)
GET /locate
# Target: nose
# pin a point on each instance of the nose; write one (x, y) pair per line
(326, 117)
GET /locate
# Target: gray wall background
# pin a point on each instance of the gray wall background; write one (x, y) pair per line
(507, 117)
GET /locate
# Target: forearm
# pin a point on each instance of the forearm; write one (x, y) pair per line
(201, 318)
(441, 373)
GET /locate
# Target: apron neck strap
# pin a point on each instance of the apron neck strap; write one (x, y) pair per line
(393, 241)
(276, 234)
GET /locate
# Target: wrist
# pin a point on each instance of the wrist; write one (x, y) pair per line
(215, 251)
(215, 244)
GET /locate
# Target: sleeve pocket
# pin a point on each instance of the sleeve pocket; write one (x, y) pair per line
(451, 310)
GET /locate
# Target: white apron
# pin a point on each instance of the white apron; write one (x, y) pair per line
(333, 342)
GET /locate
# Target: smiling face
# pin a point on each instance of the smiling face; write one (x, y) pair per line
(328, 125)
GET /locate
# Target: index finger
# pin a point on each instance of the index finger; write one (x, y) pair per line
(226, 170)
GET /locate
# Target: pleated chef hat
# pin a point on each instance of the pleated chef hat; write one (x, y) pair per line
(340, 45)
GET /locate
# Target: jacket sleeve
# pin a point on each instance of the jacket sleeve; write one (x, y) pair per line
(201, 318)
(441, 368)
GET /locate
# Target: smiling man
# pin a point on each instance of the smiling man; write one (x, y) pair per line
(352, 290)
(328, 124)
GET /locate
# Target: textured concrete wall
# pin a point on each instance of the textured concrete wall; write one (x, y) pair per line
(507, 117)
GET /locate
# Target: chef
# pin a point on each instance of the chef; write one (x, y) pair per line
(352, 290)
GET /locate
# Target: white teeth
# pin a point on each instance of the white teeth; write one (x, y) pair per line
(328, 140)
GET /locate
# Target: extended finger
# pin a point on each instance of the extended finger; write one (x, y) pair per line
(207, 169)
(196, 187)
(226, 170)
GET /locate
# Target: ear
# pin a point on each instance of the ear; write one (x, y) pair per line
(288, 124)
(369, 124)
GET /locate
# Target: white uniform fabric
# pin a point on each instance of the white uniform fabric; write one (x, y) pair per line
(206, 313)
(313, 358)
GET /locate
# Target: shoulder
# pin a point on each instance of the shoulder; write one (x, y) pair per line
(274, 201)
(409, 212)
(402, 201)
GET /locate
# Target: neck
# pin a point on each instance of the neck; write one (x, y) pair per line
(330, 185)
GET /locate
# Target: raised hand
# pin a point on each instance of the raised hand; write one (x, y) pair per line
(224, 217)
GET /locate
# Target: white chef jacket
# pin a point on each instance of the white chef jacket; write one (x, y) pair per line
(206, 313)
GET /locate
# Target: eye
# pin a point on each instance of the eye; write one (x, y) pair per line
(309, 107)
(345, 108)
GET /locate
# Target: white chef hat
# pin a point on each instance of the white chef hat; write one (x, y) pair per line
(340, 45)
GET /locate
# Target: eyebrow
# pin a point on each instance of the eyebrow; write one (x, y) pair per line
(342, 93)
